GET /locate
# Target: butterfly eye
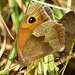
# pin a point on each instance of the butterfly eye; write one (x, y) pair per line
(31, 20)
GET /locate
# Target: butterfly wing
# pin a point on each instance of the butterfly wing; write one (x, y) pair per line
(49, 12)
(47, 38)
(68, 21)
(37, 12)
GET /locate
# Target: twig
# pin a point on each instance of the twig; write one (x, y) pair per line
(4, 42)
(21, 5)
(3, 47)
(3, 62)
(68, 5)
(49, 5)
(6, 26)
(8, 69)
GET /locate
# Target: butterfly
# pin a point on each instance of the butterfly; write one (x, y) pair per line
(39, 34)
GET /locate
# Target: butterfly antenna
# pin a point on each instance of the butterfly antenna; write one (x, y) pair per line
(48, 62)
(29, 68)
(28, 5)
(61, 70)
(61, 61)
(62, 67)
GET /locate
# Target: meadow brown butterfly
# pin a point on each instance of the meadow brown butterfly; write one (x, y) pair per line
(39, 35)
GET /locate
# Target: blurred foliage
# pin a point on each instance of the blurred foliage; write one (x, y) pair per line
(13, 13)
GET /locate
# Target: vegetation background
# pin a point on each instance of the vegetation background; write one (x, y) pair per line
(12, 12)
